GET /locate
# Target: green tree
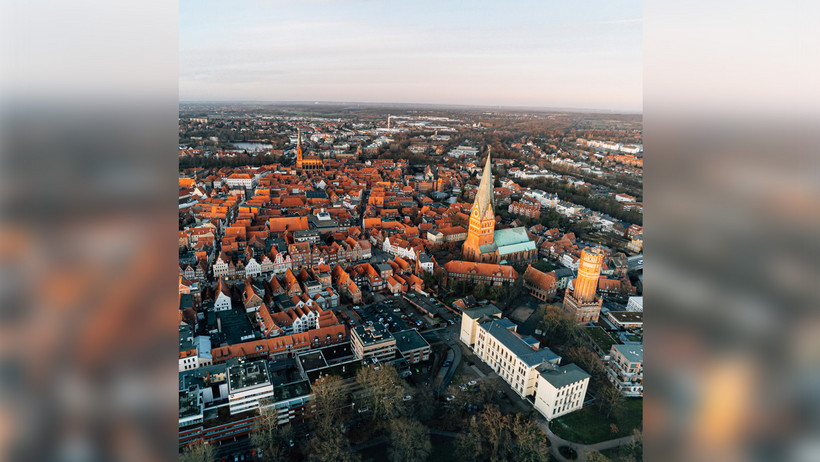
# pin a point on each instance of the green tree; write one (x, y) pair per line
(197, 452)
(409, 441)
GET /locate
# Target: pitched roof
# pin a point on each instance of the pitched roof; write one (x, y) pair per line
(502, 331)
(539, 279)
(484, 195)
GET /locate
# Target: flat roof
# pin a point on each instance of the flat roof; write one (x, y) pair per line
(291, 390)
(627, 316)
(186, 337)
(189, 404)
(564, 375)
(409, 340)
(312, 360)
(372, 334)
(481, 311)
(344, 370)
(336, 351)
(632, 353)
(601, 338)
(248, 375)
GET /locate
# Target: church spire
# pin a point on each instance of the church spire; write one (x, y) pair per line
(484, 195)
(298, 147)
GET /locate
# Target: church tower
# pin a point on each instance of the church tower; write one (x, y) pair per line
(298, 148)
(482, 216)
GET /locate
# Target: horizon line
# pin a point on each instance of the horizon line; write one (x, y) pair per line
(446, 105)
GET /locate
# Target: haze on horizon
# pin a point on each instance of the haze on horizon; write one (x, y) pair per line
(545, 54)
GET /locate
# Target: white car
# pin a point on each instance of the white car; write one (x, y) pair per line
(472, 383)
(407, 397)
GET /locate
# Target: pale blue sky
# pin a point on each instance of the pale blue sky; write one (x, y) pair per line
(547, 53)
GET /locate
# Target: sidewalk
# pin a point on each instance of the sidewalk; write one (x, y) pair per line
(580, 449)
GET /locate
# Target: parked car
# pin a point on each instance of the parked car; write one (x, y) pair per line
(472, 383)
(407, 397)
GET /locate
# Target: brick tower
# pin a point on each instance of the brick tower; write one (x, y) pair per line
(582, 301)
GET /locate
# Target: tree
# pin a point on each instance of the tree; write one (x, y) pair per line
(269, 436)
(512, 292)
(382, 390)
(595, 456)
(197, 452)
(329, 396)
(423, 404)
(331, 445)
(488, 436)
(410, 441)
(429, 279)
(531, 443)
(559, 328)
(610, 399)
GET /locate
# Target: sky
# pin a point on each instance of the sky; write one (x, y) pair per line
(546, 53)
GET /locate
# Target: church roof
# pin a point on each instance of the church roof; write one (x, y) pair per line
(484, 196)
(511, 236)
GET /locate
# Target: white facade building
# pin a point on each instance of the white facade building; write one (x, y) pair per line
(635, 304)
(561, 390)
(248, 384)
(513, 358)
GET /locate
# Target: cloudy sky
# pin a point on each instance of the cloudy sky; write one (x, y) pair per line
(543, 53)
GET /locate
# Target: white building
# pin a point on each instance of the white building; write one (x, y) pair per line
(220, 267)
(463, 151)
(401, 248)
(470, 319)
(635, 304)
(253, 268)
(543, 198)
(222, 301)
(514, 358)
(561, 390)
(243, 180)
(248, 384)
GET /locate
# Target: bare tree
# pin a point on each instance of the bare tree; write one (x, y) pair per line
(381, 390)
(197, 452)
(331, 445)
(329, 396)
(409, 441)
(269, 436)
(531, 445)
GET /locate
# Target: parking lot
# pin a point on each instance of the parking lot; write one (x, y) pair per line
(390, 313)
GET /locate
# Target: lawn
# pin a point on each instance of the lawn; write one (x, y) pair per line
(589, 425)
